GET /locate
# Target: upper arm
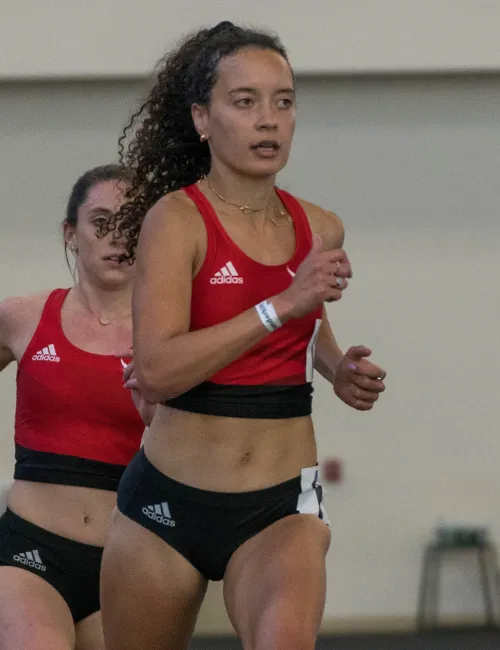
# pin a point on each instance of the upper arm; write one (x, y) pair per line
(7, 330)
(333, 230)
(165, 259)
(326, 224)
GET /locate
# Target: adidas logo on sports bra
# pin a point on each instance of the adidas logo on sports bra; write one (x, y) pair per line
(31, 559)
(227, 275)
(47, 354)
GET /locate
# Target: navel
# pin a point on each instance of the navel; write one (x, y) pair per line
(245, 459)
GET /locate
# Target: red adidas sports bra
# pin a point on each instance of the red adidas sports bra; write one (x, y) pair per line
(75, 424)
(273, 378)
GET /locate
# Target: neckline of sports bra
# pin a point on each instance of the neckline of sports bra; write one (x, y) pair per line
(215, 218)
(58, 320)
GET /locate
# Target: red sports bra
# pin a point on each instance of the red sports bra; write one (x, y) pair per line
(75, 424)
(273, 379)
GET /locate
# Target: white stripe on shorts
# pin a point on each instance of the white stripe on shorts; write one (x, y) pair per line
(308, 502)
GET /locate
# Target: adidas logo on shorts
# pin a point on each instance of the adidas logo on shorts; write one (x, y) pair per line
(227, 275)
(46, 354)
(31, 559)
(160, 513)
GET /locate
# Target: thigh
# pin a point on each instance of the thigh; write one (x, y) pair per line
(89, 635)
(150, 594)
(275, 585)
(32, 613)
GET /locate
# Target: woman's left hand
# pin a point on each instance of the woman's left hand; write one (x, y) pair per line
(358, 382)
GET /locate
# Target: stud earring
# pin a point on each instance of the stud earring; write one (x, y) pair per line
(203, 138)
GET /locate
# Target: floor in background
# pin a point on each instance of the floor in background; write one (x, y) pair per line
(441, 640)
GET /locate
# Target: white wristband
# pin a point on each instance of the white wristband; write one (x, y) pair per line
(268, 315)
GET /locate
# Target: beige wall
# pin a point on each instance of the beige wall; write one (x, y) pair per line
(412, 168)
(121, 38)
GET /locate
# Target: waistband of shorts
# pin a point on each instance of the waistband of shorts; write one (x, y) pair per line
(26, 528)
(290, 487)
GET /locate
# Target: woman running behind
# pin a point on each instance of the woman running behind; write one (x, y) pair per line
(76, 429)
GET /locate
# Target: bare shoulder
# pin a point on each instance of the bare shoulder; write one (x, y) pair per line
(16, 310)
(172, 228)
(173, 210)
(19, 317)
(324, 223)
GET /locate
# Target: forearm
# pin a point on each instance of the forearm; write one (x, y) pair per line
(174, 366)
(328, 353)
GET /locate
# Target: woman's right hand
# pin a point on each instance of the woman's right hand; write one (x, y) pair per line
(322, 277)
(146, 410)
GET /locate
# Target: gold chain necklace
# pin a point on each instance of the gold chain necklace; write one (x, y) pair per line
(245, 209)
(103, 320)
(106, 321)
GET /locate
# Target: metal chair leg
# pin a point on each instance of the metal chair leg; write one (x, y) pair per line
(435, 587)
(485, 585)
(427, 589)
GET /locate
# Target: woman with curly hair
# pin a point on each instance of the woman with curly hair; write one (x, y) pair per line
(228, 325)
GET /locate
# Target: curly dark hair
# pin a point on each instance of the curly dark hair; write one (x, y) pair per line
(160, 144)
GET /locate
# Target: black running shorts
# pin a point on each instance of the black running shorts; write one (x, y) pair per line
(70, 567)
(207, 527)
